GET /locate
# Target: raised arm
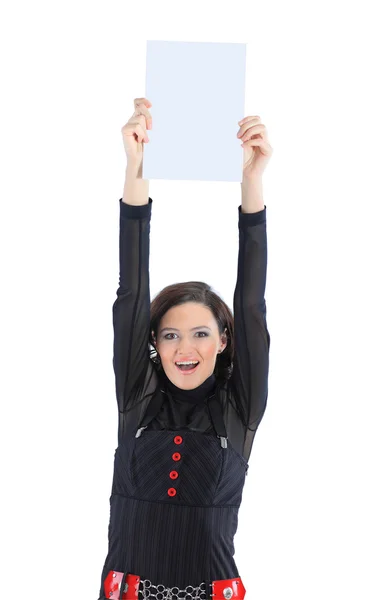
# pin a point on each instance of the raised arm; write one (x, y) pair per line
(131, 309)
(252, 339)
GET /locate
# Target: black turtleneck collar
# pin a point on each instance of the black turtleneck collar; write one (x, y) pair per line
(196, 395)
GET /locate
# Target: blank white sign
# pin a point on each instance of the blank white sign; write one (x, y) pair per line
(197, 91)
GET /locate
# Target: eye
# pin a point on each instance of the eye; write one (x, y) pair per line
(203, 332)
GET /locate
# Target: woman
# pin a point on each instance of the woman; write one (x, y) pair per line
(189, 414)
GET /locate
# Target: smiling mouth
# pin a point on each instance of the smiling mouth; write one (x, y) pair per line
(187, 371)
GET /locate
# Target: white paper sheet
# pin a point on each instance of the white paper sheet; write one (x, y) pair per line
(197, 92)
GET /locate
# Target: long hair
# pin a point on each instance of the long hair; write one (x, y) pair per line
(194, 291)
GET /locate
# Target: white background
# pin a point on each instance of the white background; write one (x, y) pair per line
(70, 72)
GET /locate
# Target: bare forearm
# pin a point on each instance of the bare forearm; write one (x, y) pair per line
(252, 195)
(136, 192)
(136, 189)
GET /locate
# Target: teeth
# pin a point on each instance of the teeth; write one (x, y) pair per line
(192, 362)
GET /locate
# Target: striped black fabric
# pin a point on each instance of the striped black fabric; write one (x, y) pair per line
(179, 540)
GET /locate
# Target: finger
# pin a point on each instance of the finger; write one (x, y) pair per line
(254, 129)
(247, 119)
(141, 107)
(142, 136)
(133, 127)
(259, 142)
(140, 100)
(143, 112)
(248, 125)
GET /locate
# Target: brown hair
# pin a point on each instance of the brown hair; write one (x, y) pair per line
(195, 291)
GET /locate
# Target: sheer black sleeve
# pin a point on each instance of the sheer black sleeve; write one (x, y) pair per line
(131, 309)
(249, 377)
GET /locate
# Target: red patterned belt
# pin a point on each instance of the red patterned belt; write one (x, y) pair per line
(120, 587)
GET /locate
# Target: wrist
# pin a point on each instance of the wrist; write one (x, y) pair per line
(134, 168)
(252, 195)
(133, 171)
(252, 179)
(136, 189)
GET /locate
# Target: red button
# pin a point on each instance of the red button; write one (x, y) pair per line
(176, 456)
(171, 492)
(178, 439)
(174, 474)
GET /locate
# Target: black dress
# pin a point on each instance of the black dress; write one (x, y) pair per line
(182, 455)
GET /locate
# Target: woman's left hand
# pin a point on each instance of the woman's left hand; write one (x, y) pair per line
(257, 149)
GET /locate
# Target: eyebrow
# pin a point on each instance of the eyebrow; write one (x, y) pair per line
(193, 328)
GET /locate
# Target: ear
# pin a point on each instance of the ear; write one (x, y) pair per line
(224, 340)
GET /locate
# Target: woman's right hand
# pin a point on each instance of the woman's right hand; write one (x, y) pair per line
(134, 133)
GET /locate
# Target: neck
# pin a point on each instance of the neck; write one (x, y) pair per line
(197, 394)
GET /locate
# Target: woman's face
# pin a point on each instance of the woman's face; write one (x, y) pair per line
(189, 332)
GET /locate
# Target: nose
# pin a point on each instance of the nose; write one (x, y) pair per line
(185, 350)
